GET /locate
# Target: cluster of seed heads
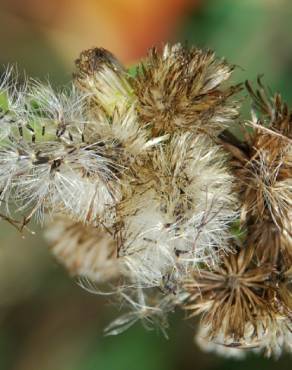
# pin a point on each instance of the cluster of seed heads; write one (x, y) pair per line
(143, 189)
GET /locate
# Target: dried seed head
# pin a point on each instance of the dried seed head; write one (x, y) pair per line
(101, 75)
(268, 171)
(183, 89)
(194, 188)
(84, 250)
(263, 168)
(54, 158)
(230, 296)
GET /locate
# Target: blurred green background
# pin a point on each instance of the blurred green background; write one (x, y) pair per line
(47, 321)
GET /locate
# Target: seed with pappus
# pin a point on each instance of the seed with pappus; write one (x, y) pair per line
(179, 212)
(230, 295)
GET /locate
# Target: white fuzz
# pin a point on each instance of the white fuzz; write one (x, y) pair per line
(124, 129)
(144, 244)
(179, 214)
(51, 174)
(46, 160)
(218, 345)
(148, 306)
(12, 106)
(274, 336)
(195, 194)
(57, 157)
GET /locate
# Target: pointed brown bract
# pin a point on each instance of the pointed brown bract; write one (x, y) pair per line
(183, 89)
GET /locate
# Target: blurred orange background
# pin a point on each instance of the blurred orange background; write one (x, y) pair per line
(65, 27)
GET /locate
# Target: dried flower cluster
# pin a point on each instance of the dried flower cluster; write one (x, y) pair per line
(142, 186)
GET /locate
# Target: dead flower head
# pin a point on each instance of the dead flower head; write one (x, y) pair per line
(184, 89)
(230, 295)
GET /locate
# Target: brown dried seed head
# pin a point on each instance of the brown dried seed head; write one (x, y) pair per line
(183, 89)
(230, 295)
(263, 168)
(84, 250)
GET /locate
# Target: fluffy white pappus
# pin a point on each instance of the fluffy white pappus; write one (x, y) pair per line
(84, 250)
(149, 306)
(218, 345)
(56, 115)
(274, 336)
(123, 128)
(195, 193)
(180, 213)
(53, 176)
(49, 160)
(144, 241)
(12, 102)
(34, 111)
(194, 187)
